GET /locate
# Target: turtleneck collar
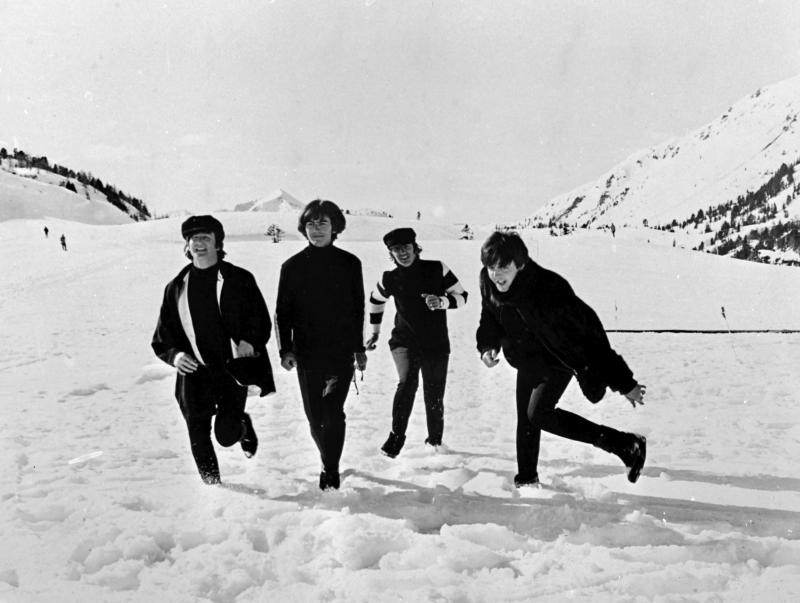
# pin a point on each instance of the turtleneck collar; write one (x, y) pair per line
(412, 266)
(205, 271)
(319, 250)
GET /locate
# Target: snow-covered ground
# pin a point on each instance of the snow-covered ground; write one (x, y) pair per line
(101, 502)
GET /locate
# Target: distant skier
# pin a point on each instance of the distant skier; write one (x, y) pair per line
(319, 317)
(46, 232)
(422, 289)
(548, 334)
(613, 231)
(214, 327)
(419, 215)
(63, 242)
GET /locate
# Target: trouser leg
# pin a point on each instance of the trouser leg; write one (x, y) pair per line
(528, 435)
(434, 380)
(324, 394)
(202, 448)
(543, 414)
(408, 365)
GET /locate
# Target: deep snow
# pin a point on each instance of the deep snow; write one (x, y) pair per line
(101, 501)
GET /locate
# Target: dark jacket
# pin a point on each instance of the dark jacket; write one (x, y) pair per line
(541, 315)
(319, 315)
(244, 317)
(415, 326)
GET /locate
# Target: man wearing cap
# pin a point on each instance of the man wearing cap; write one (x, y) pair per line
(422, 290)
(214, 324)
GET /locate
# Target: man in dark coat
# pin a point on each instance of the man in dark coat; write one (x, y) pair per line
(422, 291)
(319, 318)
(549, 334)
(214, 327)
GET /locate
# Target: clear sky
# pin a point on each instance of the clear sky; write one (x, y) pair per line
(472, 110)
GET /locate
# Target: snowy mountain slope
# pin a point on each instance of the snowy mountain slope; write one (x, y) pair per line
(25, 198)
(736, 153)
(32, 188)
(280, 201)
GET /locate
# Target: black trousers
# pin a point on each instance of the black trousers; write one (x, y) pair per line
(324, 392)
(433, 366)
(225, 398)
(539, 388)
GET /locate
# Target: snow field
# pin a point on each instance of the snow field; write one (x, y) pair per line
(102, 500)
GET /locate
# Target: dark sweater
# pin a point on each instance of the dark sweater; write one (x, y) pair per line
(212, 342)
(415, 326)
(541, 315)
(319, 313)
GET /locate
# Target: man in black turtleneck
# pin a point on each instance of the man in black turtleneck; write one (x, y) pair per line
(212, 313)
(319, 317)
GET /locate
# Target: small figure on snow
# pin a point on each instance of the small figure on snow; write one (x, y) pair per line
(422, 289)
(275, 232)
(63, 240)
(46, 232)
(214, 327)
(549, 334)
(320, 320)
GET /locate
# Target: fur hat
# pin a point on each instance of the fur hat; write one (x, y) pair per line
(195, 224)
(400, 236)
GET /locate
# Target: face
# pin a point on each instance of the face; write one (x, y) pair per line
(503, 276)
(319, 232)
(404, 255)
(203, 247)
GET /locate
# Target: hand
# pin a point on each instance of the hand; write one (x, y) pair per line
(434, 302)
(361, 361)
(244, 349)
(289, 361)
(490, 358)
(185, 363)
(636, 395)
(371, 341)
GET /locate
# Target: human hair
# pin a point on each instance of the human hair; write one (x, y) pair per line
(319, 208)
(501, 248)
(220, 251)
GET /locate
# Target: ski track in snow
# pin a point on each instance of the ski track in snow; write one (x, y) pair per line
(714, 516)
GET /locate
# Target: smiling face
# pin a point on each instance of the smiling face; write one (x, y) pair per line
(503, 276)
(319, 232)
(203, 249)
(403, 254)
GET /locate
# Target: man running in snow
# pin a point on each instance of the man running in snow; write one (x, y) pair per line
(422, 290)
(548, 334)
(212, 313)
(319, 317)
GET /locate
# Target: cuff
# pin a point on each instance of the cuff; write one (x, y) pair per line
(177, 358)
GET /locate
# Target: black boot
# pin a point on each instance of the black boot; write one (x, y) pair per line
(329, 480)
(249, 441)
(393, 445)
(526, 480)
(630, 447)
